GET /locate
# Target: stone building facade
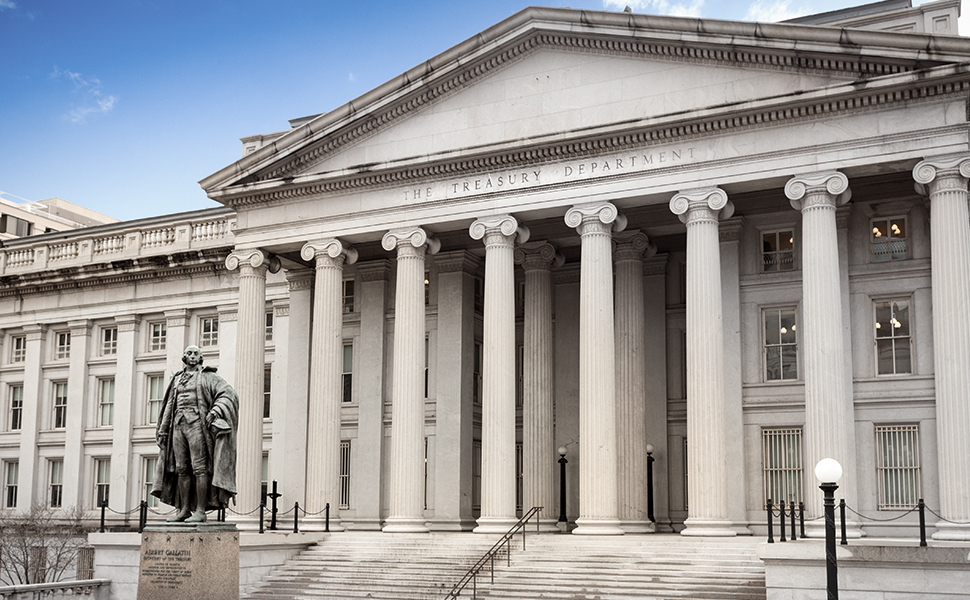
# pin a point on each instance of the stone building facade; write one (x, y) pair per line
(582, 229)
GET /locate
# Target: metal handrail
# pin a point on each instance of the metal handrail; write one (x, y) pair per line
(489, 557)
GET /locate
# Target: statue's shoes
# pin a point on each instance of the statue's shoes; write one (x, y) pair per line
(182, 516)
(197, 517)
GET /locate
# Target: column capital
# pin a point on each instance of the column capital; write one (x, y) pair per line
(374, 270)
(538, 255)
(602, 212)
(127, 322)
(656, 265)
(934, 171)
(254, 258)
(457, 261)
(228, 313)
(79, 328)
(505, 225)
(299, 279)
(332, 248)
(35, 331)
(825, 188)
(709, 203)
(177, 317)
(414, 236)
(632, 245)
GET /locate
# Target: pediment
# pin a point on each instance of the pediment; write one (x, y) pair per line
(537, 83)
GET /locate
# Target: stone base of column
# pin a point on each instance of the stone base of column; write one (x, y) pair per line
(586, 526)
(405, 525)
(816, 529)
(319, 523)
(452, 524)
(951, 531)
(638, 527)
(494, 525)
(545, 525)
(243, 522)
(708, 528)
(363, 524)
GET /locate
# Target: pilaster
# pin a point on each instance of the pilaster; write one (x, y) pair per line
(77, 403)
(124, 412)
(31, 476)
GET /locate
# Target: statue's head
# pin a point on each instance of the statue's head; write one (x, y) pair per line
(192, 356)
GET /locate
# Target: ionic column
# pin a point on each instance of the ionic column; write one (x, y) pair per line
(700, 210)
(829, 419)
(597, 379)
(250, 357)
(326, 367)
(498, 372)
(946, 180)
(406, 478)
(631, 415)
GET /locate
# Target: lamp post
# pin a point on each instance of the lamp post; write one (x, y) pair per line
(562, 485)
(650, 460)
(828, 471)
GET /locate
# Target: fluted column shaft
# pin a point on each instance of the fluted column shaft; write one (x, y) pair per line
(538, 384)
(631, 415)
(946, 180)
(706, 479)
(326, 362)
(597, 379)
(406, 477)
(829, 418)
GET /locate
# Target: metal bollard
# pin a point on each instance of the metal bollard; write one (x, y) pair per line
(296, 517)
(794, 534)
(327, 509)
(782, 521)
(142, 516)
(262, 525)
(922, 524)
(104, 506)
(771, 533)
(801, 518)
(842, 518)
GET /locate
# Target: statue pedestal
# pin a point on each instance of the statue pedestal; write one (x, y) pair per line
(196, 561)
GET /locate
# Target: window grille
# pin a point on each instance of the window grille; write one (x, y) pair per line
(889, 239)
(345, 474)
(157, 333)
(109, 341)
(781, 347)
(11, 478)
(63, 347)
(209, 332)
(782, 455)
(60, 405)
(156, 391)
(85, 563)
(18, 349)
(777, 251)
(348, 374)
(55, 493)
(150, 463)
(102, 467)
(893, 339)
(897, 465)
(16, 407)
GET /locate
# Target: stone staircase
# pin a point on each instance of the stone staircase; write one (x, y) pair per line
(425, 567)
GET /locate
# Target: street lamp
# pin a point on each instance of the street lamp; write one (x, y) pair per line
(562, 485)
(828, 471)
(650, 460)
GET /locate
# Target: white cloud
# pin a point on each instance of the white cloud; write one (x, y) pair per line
(351, 77)
(90, 97)
(663, 7)
(768, 11)
(7, 4)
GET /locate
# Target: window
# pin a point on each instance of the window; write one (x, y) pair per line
(263, 478)
(15, 226)
(156, 336)
(150, 463)
(519, 375)
(519, 476)
(55, 494)
(477, 475)
(156, 391)
(18, 348)
(781, 349)
(348, 373)
(269, 326)
(344, 474)
(62, 348)
(60, 405)
(897, 466)
(106, 402)
(16, 407)
(109, 341)
(776, 251)
(348, 296)
(889, 239)
(10, 478)
(477, 374)
(267, 389)
(427, 350)
(102, 470)
(209, 332)
(479, 294)
(782, 455)
(893, 350)
(427, 288)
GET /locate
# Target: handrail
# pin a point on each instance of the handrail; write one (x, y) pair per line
(489, 557)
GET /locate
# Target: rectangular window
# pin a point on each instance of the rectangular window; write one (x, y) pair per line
(15, 226)
(150, 463)
(781, 348)
(11, 478)
(62, 348)
(345, 475)
(427, 351)
(776, 250)
(60, 405)
(109, 341)
(782, 455)
(897, 466)
(106, 402)
(156, 391)
(102, 482)
(889, 239)
(55, 493)
(477, 475)
(264, 477)
(348, 296)
(156, 336)
(269, 326)
(479, 294)
(348, 373)
(519, 477)
(18, 348)
(427, 288)
(208, 332)
(267, 389)
(477, 374)
(519, 376)
(893, 341)
(16, 407)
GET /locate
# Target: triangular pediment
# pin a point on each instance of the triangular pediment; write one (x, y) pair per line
(547, 80)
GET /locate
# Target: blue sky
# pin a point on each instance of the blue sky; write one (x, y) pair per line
(122, 106)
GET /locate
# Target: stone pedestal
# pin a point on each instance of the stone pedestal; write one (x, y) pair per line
(198, 561)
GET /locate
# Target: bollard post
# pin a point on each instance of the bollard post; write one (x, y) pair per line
(922, 524)
(273, 496)
(782, 521)
(142, 516)
(262, 524)
(801, 518)
(842, 518)
(104, 506)
(771, 534)
(296, 517)
(794, 534)
(327, 509)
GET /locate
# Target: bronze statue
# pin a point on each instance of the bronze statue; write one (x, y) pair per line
(196, 436)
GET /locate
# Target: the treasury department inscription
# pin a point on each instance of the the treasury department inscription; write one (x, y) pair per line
(166, 569)
(198, 561)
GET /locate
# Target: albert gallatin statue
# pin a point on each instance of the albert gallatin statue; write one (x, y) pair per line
(196, 436)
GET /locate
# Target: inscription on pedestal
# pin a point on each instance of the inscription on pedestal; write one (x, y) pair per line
(189, 562)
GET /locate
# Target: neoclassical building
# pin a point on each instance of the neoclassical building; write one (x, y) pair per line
(744, 247)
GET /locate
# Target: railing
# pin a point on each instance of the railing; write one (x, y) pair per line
(504, 544)
(95, 589)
